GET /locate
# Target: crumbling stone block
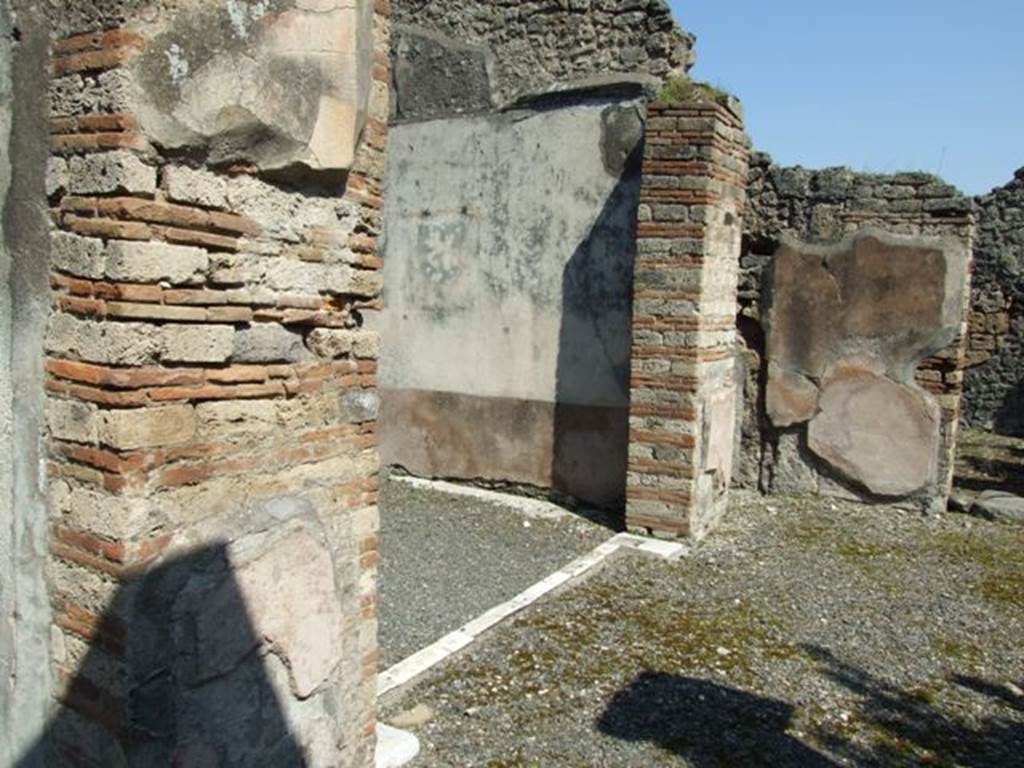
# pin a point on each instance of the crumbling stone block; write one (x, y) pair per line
(72, 420)
(110, 343)
(134, 428)
(77, 255)
(335, 343)
(197, 343)
(237, 417)
(187, 185)
(145, 262)
(293, 275)
(107, 172)
(275, 84)
(330, 342)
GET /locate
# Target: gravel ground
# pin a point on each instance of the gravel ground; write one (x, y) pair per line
(445, 559)
(805, 633)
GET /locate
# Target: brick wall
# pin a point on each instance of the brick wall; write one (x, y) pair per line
(683, 387)
(212, 387)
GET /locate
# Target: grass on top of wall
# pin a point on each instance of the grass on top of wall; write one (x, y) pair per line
(680, 89)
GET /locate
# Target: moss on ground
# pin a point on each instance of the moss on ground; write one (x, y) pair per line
(998, 559)
(655, 632)
(902, 704)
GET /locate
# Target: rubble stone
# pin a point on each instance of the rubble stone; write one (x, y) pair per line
(999, 505)
(107, 172)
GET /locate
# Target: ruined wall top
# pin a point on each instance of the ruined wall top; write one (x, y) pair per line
(1000, 249)
(817, 204)
(471, 55)
(905, 246)
(995, 385)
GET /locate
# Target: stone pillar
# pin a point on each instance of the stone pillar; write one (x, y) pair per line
(683, 392)
(216, 199)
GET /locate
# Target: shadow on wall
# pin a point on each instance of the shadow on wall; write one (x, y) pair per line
(193, 689)
(714, 726)
(1009, 418)
(592, 377)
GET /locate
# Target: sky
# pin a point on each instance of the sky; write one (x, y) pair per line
(927, 85)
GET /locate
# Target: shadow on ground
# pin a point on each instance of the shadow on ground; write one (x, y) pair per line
(713, 726)
(910, 729)
(707, 724)
(986, 461)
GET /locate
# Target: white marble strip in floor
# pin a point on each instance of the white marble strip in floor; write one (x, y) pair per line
(524, 505)
(408, 670)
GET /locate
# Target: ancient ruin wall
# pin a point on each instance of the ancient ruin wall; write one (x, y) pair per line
(823, 207)
(994, 384)
(472, 55)
(683, 383)
(509, 260)
(211, 393)
(510, 244)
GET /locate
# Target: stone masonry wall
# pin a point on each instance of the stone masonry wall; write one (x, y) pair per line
(212, 435)
(511, 214)
(472, 55)
(994, 386)
(683, 399)
(823, 207)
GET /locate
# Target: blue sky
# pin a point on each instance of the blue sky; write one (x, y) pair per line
(878, 86)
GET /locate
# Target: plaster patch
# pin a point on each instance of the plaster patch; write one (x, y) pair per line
(244, 14)
(177, 63)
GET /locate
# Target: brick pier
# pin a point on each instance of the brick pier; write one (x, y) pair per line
(683, 401)
(211, 394)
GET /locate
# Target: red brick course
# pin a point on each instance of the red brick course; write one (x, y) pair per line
(683, 338)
